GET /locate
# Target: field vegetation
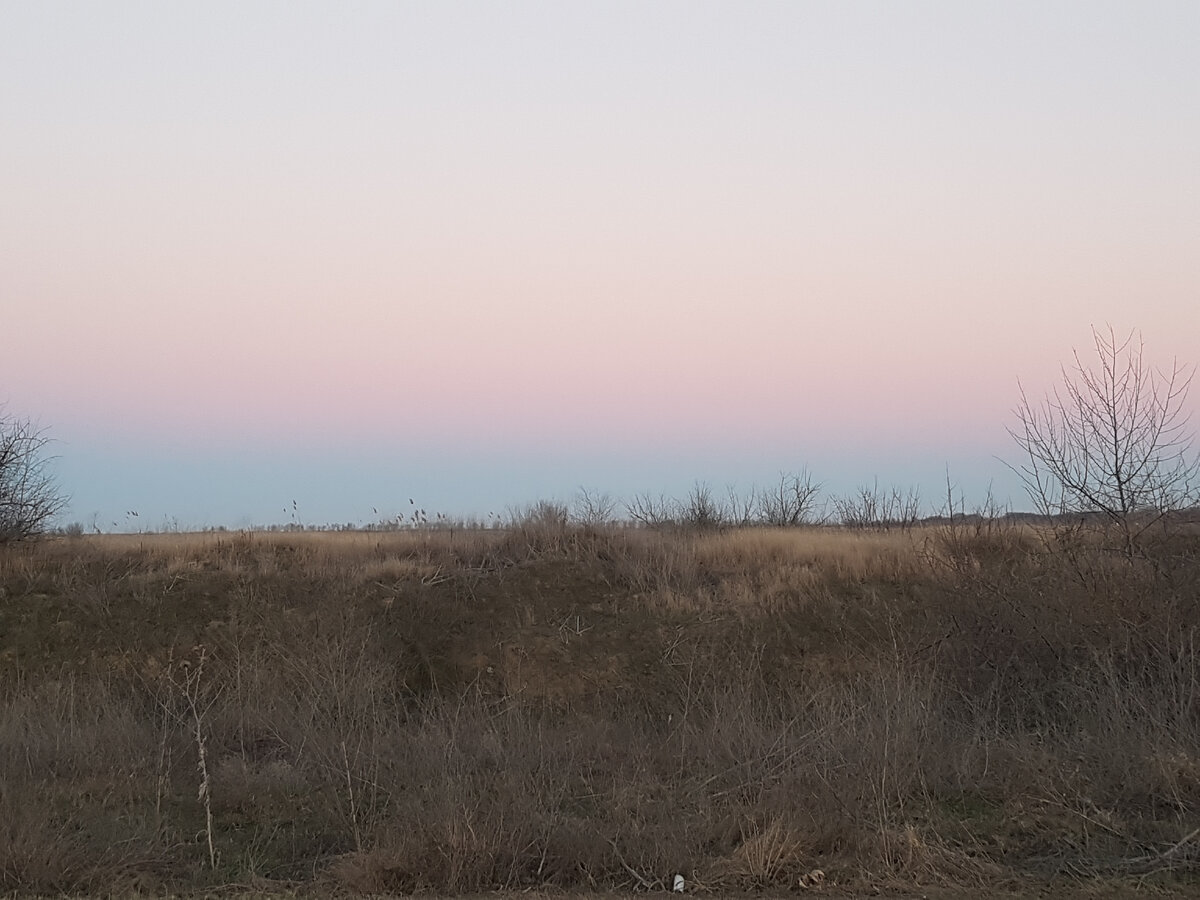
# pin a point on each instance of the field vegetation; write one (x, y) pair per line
(557, 704)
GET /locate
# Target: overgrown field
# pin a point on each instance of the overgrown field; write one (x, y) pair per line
(556, 707)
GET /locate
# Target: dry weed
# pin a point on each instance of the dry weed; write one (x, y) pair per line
(552, 706)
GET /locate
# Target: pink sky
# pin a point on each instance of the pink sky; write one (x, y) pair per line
(614, 235)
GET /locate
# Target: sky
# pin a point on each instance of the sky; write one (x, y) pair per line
(275, 261)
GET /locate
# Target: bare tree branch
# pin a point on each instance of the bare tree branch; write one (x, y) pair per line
(29, 495)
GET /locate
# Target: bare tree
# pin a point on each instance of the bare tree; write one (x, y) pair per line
(29, 495)
(651, 511)
(1112, 441)
(791, 502)
(593, 509)
(701, 510)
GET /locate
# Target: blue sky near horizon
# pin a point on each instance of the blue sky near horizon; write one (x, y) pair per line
(485, 253)
(362, 488)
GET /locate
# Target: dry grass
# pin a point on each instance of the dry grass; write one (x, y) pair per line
(556, 707)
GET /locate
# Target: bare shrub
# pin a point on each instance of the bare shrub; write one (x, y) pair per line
(700, 510)
(653, 512)
(790, 502)
(593, 509)
(740, 509)
(872, 508)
